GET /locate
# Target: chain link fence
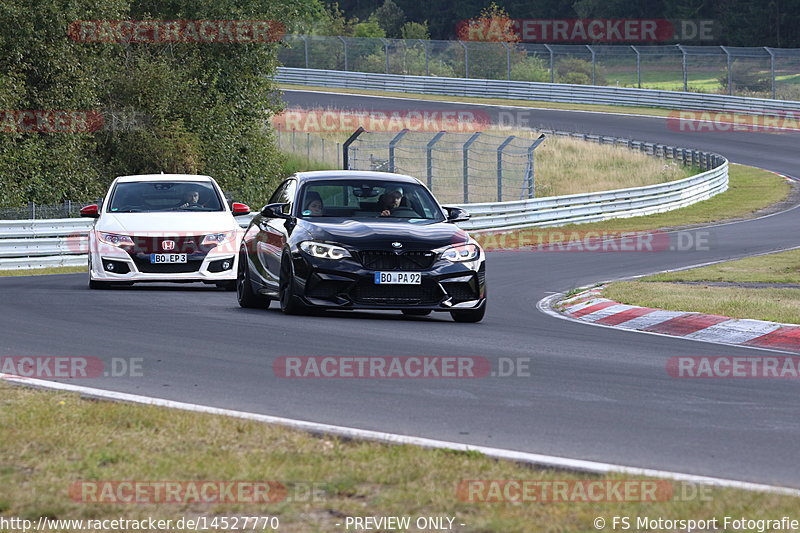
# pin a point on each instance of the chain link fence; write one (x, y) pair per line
(760, 71)
(457, 167)
(67, 209)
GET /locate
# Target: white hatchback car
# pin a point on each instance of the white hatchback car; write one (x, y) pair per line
(164, 227)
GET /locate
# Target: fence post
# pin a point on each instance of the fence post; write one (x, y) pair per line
(386, 52)
(392, 144)
(338, 155)
(508, 60)
(531, 178)
(305, 48)
(684, 68)
(465, 155)
(500, 167)
(294, 147)
(552, 64)
(308, 148)
(594, 64)
(638, 67)
(425, 48)
(344, 45)
(32, 209)
(771, 68)
(346, 146)
(730, 70)
(429, 157)
(466, 59)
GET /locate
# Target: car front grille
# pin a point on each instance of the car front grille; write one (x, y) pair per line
(387, 260)
(367, 291)
(145, 266)
(182, 244)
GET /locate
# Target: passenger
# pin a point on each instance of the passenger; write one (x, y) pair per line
(314, 206)
(389, 201)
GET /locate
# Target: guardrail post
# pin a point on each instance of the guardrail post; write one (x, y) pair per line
(346, 147)
(500, 167)
(429, 157)
(344, 45)
(465, 155)
(552, 64)
(685, 68)
(771, 68)
(531, 177)
(392, 144)
(638, 67)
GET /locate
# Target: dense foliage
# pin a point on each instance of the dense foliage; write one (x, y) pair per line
(197, 107)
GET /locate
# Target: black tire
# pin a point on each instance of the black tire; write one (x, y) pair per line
(416, 312)
(227, 285)
(290, 303)
(469, 315)
(244, 289)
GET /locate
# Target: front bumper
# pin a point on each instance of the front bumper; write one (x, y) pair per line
(213, 266)
(346, 284)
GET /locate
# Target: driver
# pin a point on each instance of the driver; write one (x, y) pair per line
(389, 201)
(191, 199)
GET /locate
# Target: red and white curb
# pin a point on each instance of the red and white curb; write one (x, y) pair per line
(590, 306)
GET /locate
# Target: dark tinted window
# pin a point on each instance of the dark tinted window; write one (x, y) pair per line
(365, 198)
(156, 196)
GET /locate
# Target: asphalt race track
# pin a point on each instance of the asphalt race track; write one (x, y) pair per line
(594, 393)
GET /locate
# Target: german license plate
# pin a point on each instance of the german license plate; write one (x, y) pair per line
(398, 278)
(168, 258)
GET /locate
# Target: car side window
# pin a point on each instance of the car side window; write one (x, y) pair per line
(288, 195)
(279, 193)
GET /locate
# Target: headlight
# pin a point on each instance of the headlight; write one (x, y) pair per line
(462, 252)
(216, 238)
(114, 239)
(323, 250)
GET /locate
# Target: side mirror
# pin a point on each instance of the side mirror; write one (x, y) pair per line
(456, 214)
(275, 211)
(90, 211)
(240, 209)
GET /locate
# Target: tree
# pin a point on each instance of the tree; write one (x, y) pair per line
(390, 18)
(415, 30)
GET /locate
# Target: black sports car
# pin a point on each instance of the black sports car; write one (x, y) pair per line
(361, 240)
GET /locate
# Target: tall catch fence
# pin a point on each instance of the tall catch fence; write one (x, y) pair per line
(745, 71)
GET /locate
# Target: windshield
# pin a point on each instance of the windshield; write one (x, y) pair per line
(157, 196)
(368, 199)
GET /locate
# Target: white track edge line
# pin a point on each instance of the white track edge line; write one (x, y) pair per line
(393, 438)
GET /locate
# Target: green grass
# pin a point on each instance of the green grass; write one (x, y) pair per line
(775, 305)
(767, 303)
(781, 267)
(54, 439)
(43, 271)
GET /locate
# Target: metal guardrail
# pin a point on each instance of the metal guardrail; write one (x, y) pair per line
(548, 92)
(28, 244)
(593, 207)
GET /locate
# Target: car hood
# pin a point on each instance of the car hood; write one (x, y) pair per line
(180, 222)
(379, 235)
